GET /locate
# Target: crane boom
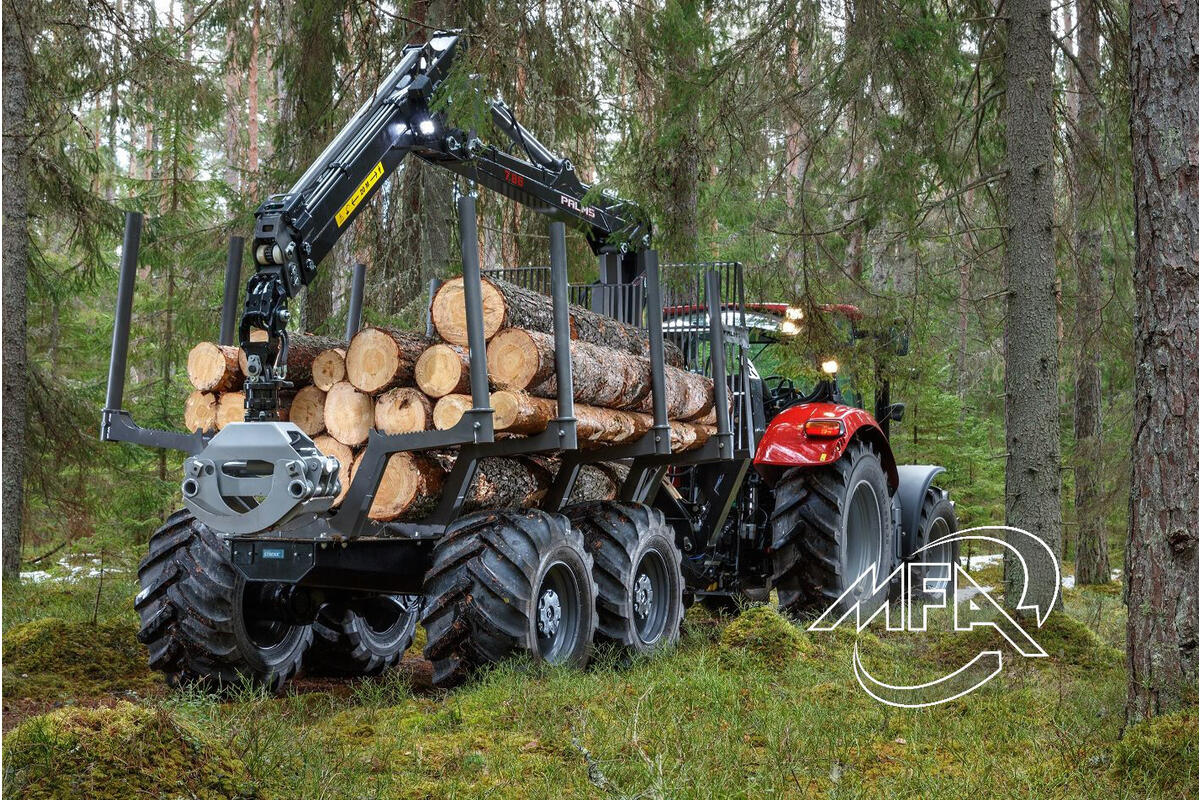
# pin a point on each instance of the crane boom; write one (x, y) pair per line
(296, 230)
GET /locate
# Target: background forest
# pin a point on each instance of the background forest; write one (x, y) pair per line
(892, 154)
(843, 152)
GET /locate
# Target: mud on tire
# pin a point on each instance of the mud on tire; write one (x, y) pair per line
(637, 572)
(197, 616)
(504, 583)
(828, 524)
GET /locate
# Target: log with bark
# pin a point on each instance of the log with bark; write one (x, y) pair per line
(303, 349)
(444, 369)
(380, 358)
(349, 414)
(601, 376)
(508, 306)
(200, 411)
(214, 368)
(403, 410)
(345, 457)
(410, 487)
(328, 368)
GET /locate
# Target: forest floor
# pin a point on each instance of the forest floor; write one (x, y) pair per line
(743, 708)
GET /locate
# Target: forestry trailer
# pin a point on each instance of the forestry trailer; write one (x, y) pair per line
(282, 559)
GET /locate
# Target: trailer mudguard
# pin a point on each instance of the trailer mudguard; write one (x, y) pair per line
(915, 480)
(785, 444)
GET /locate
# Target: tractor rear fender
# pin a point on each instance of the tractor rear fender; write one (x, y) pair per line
(915, 480)
(785, 443)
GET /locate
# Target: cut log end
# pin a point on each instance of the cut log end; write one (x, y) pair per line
(409, 487)
(200, 411)
(349, 414)
(449, 310)
(214, 368)
(516, 361)
(308, 410)
(329, 368)
(449, 410)
(231, 408)
(443, 369)
(380, 358)
(403, 410)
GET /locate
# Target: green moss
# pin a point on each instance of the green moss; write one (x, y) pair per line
(765, 636)
(1066, 640)
(51, 658)
(1159, 753)
(121, 752)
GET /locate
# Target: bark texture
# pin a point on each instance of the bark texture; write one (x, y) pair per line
(1091, 547)
(380, 358)
(1161, 557)
(508, 306)
(16, 270)
(1031, 475)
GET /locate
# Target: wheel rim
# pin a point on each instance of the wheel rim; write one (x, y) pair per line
(651, 595)
(263, 633)
(864, 531)
(557, 613)
(388, 615)
(939, 553)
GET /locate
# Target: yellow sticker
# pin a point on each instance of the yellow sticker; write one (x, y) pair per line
(824, 456)
(362, 191)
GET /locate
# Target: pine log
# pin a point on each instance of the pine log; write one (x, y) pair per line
(403, 410)
(328, 368)
(593, 483)
(349, 414)
(200, 411)
(231, 408)
(303, 349)
(214, 368)
(345, 457)
(601, 376)
(502, 482)
(380, 358)
(520, 413)
(409, 489)
(508, 306)
(307, 411)
(444, 369)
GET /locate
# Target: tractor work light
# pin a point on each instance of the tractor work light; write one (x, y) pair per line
(829, 367)
(794, 313)
(823, 428)
(789, 328)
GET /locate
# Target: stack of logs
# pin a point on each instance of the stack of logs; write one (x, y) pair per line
(402, 382)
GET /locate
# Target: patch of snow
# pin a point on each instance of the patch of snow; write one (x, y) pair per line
(979, 562)
(1068, 581)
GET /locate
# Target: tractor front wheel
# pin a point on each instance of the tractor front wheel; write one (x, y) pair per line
(831, 524)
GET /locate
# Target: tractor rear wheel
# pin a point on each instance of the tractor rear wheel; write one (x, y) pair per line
(504, 583)
(938, 521)
(829, 525)
(200, 619)
(366, 639)
(637, 572)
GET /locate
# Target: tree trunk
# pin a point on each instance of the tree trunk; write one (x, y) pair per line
(17, 24)
(1091, 549)
(252, 97)
(1161, 557)
(509, 306)
(1032, 483)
